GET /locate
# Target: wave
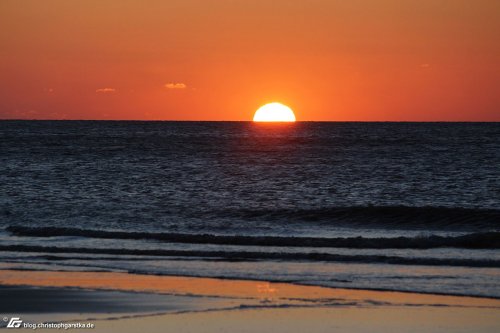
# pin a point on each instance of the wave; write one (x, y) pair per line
(393, 217)
(481, 240)
(246, 256)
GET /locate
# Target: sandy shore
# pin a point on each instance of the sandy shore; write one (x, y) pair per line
(121, 302)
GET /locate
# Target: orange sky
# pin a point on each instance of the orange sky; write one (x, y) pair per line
(362, 60)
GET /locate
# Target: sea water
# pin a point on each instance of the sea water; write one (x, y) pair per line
(390, 206)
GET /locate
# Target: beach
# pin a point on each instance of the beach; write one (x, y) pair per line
(132, 302)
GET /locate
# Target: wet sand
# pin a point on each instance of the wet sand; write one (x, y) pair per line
(121, 302)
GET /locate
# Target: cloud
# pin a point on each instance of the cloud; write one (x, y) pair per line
(174, 85)
(105, 90)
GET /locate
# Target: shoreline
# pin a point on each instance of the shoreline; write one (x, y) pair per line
(216, 287)
(127, 302)
(249, 279)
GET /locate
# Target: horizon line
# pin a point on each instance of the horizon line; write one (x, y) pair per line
(251, 121)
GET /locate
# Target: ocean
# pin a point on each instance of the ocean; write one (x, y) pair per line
(385, 206)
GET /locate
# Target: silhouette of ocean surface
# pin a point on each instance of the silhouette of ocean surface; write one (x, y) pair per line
(397, 206)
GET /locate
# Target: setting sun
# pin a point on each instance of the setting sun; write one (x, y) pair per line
(275, 112)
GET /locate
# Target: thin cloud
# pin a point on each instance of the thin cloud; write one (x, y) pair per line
(105, 90)
(174, 85)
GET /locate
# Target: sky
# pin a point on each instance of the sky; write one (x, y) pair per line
(329, 60)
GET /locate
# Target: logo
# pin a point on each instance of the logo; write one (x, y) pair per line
(14, 322)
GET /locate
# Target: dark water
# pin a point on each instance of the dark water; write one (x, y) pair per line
(406, 206)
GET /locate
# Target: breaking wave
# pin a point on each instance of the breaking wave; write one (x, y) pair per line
(394, 217)
(480, 240)
(245, 256)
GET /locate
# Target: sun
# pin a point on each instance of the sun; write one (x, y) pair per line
(275, 112)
